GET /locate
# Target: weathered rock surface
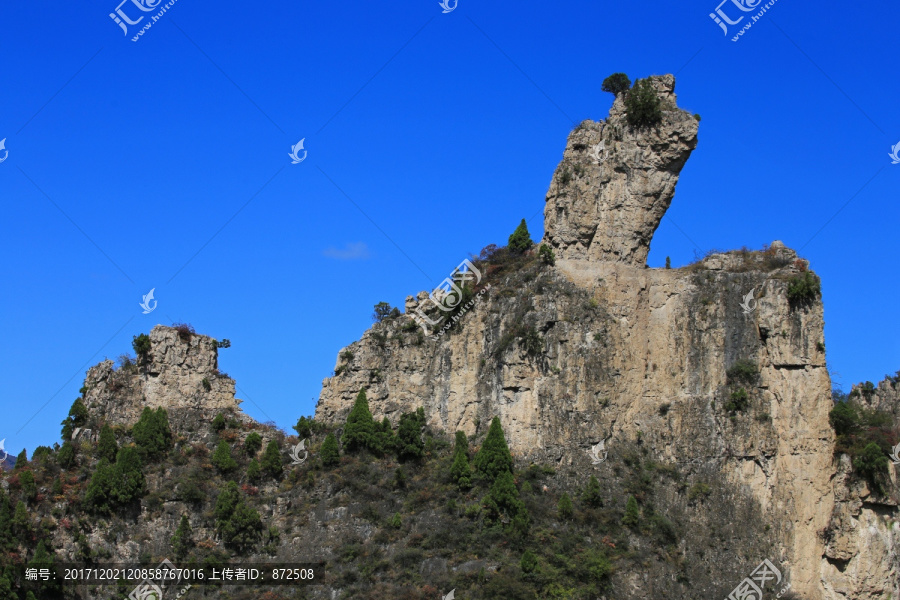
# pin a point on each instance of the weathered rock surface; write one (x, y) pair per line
(615, 183)
(635, 355)
(172, 378)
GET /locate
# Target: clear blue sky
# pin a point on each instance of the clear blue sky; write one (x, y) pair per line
(163, 164)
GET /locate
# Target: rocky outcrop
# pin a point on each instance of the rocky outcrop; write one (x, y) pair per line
(180, 374)
(600, 347)
(615, 182)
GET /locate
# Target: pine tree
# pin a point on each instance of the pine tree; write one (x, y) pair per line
(493, 458)
(271, 463)
(222, 459)
(6, 592)
(383, 441)
(632, 515)
(43, 559)
(78, 416)
(182, 540)
(592, 495)
(66, 455)
(129, 476)
(529, 562)
(98, 496)
(564, 508)
(21, 521)
(409, 436)
(252, 444)
(360, 427)
(218, 423)
(503, 498)
(330, 451)
(520, 240)
(21, 460)
(29, 487)
(152, 433)
(460, 471)
(7, 542)
(244, 529)
(227, 501)
(107, 447)
(254, 473)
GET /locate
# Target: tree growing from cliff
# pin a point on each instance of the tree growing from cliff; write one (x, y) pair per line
(873, 465)
(107, 447)
(494, 457)
(592, 495)
(152, 434)
(306, 427)
(359, 430)
(330, 452)
(115, 485)
(503, 503)
(21, 460)
(643, 108)
(271, 461)
(460, 471)
(6, 514)
(564, 508)
(616, 83)
(239, 525)
(29, 487)
(520, 240)
(141, 345)
(78, 416)
(382, 311)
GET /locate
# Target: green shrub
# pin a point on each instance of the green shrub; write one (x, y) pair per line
(564, 508)
(29, 487)
(529, 562)
(347, 355)
(252, 444)
(207, 386)
(116, 485)
(152, 434)
(699, 490)
(306, 427)
(592, 495)
(643, 108)
(218, 423)
(743, 371)
(803, 289)
(873, 465)
(616, 84)
(632, 515)
(520, 239)
(494, 457)
(222, 459)
(243, 529)
(409, 435)
(396, 521)
(843, 418)
(531, 341)
(271, 463)
(696, 116)
(546, 254)
(141, 345)
(330, 451)
(66, 455)
(668, 262)
(739, 401)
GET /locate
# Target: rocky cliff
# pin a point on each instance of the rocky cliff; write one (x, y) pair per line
(713, 368)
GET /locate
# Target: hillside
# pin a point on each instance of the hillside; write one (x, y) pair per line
(555, 421)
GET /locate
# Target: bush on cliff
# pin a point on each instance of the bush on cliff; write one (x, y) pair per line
(643, 108)
(152, 434)
(494, 457)
(616, 83)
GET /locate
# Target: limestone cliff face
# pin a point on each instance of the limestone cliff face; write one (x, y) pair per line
(615, 183)
(600, 347)
(172, 378)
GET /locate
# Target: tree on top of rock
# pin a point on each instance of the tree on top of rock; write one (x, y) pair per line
(493, 458)
(520, 240)
(78, 416)
(616, 83)
(360, 427)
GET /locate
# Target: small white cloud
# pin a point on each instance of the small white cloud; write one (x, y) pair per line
(352, 251)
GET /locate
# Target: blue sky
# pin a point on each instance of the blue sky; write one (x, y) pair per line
(163, 163)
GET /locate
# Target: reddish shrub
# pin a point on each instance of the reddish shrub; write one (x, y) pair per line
(185, 331)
